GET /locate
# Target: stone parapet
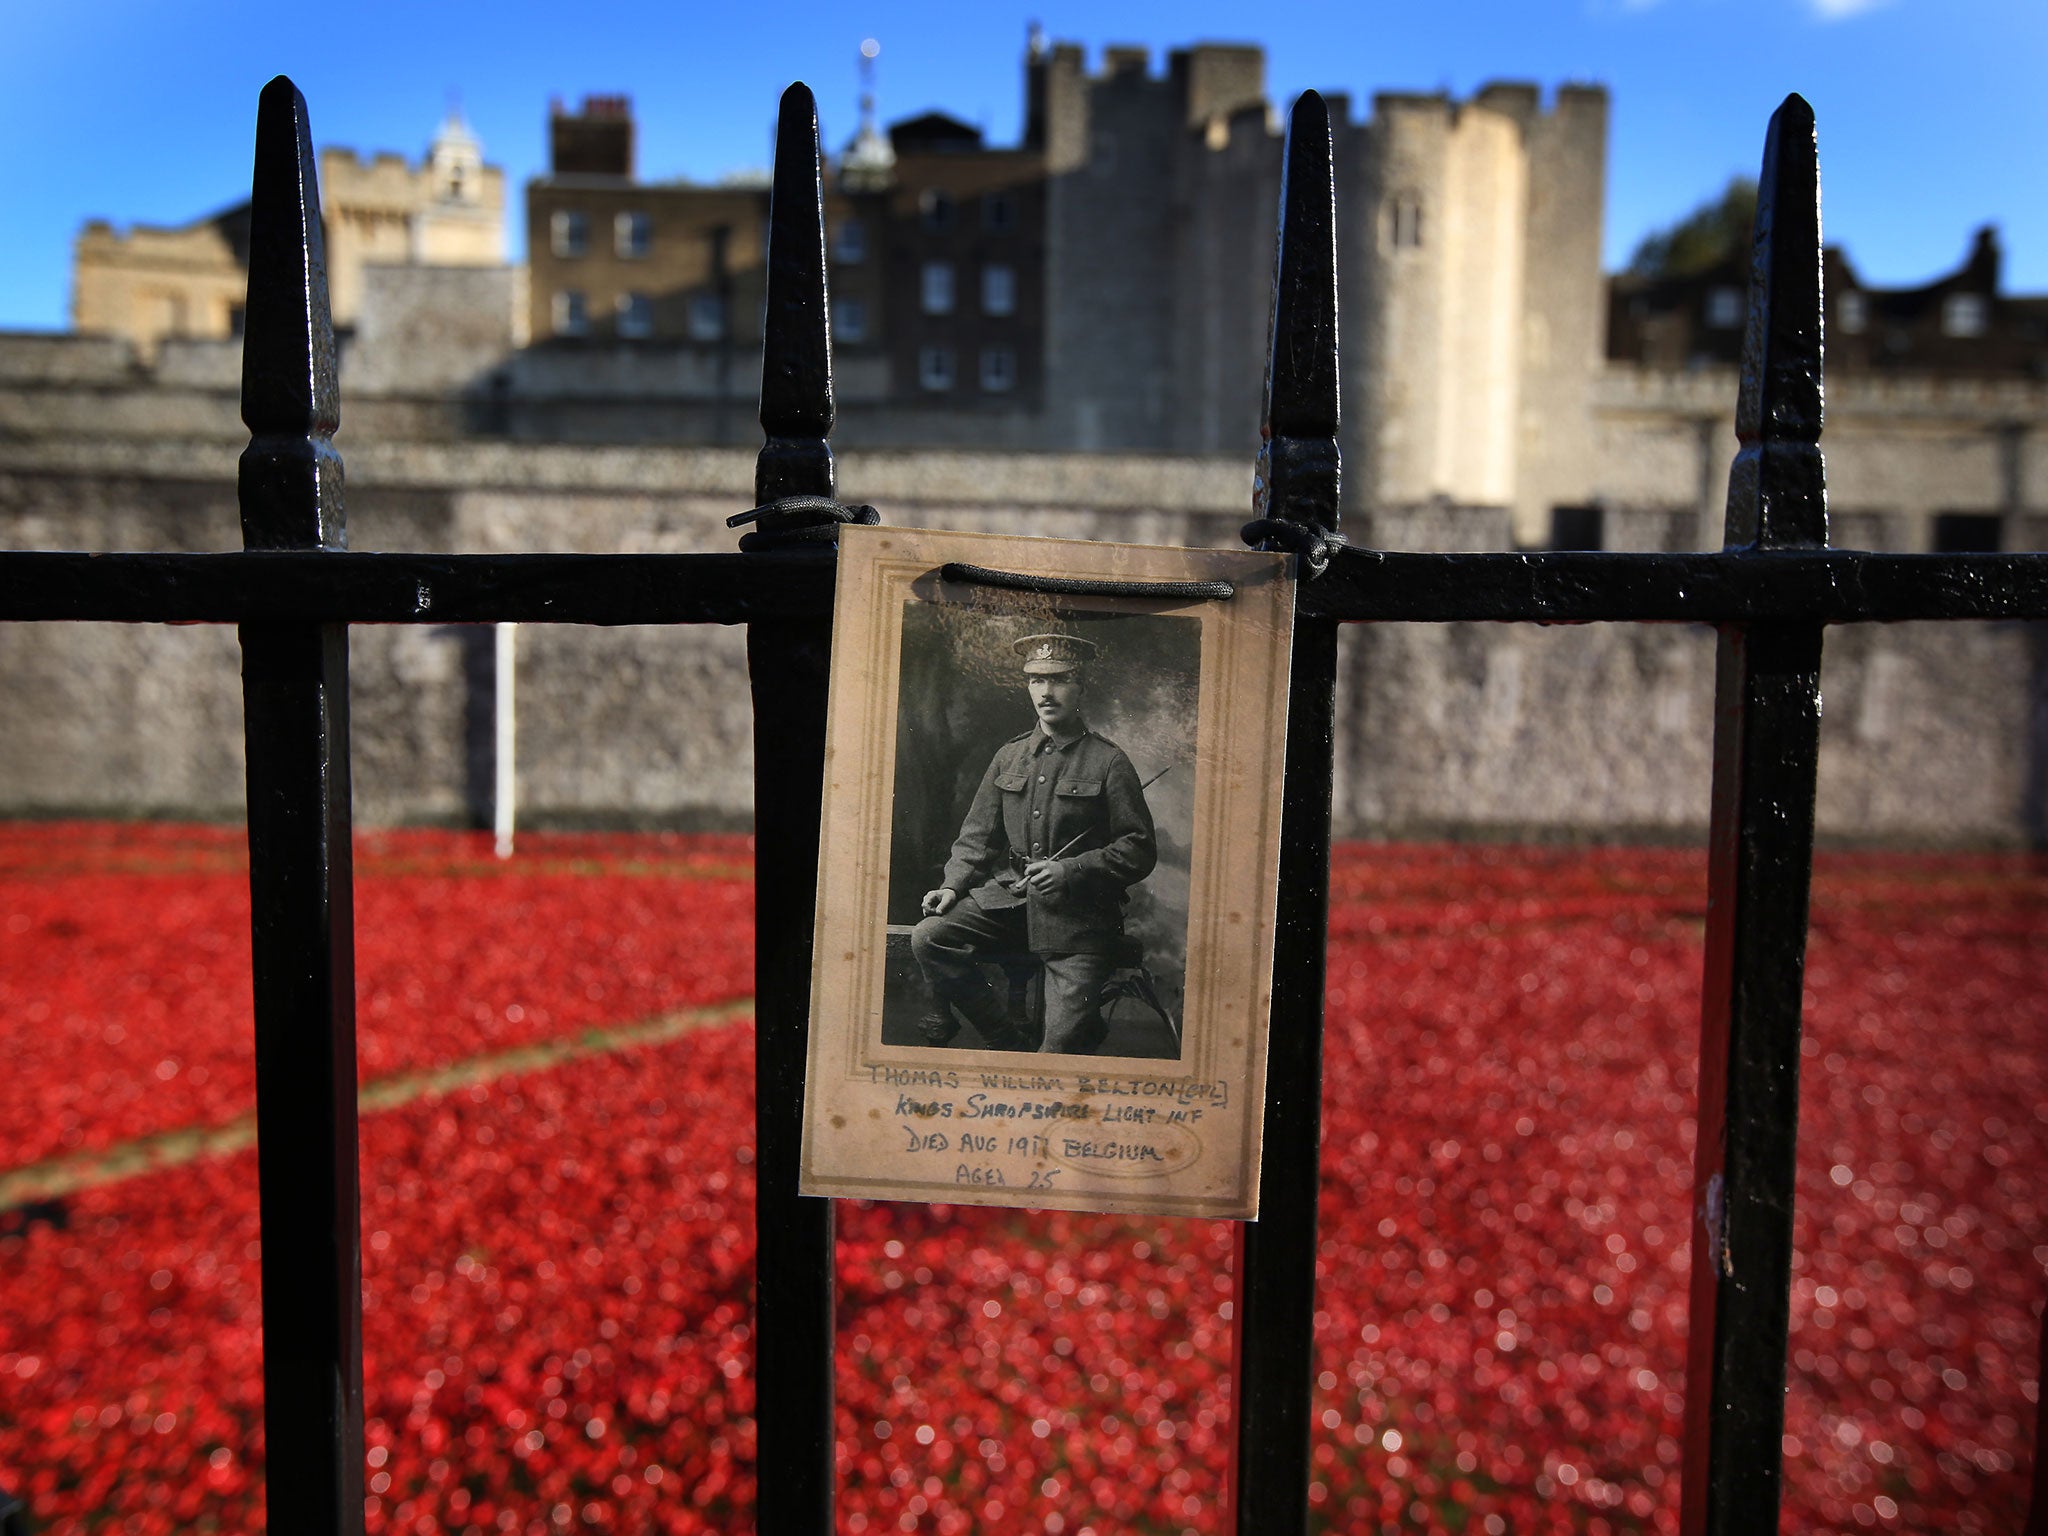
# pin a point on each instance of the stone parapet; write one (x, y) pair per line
(1087, 481)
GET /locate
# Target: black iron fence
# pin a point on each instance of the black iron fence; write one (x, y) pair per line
(295, 589)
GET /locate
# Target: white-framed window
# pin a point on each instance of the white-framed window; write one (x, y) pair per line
(998, 289)
(572, 312)
(569, 232)
(1852, 313)
(935, 288)
(706, 317)
(635, 316)
(632, 235)
(998, 369)
(936, 210)
(1965, 314)
(935, 367)
(850, 319)
(998, 213)
(1725, 308)
(850, 242)
(1404, 221)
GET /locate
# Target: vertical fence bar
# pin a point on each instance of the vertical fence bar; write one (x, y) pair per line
(295, 701)
(1298, 477)
(787, 661)
(1760, 861)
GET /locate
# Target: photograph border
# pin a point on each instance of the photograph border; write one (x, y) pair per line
(855, 1082)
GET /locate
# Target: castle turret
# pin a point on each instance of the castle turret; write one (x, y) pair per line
(456, 161)
(1480, 299)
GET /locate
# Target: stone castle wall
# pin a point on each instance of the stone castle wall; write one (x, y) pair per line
(1931, 734)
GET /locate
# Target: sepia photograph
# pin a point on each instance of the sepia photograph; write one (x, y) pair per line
(1048, 863)
(1040, 837)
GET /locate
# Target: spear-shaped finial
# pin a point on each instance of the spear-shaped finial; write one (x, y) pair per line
(1298, 467)
(290, 473)
(796, 373)
(1777, 488)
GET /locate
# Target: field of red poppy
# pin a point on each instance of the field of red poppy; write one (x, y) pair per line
(559, 1256)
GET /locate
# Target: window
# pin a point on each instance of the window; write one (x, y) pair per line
(1576, 528)
(998, 289)
(935, 210)
(1965, 314)
(1404, 221)
(998, 369)
(1852, 313)
(572, 313)
(707, 317)
(635, 316)
(1725, 308)
(937, 288)
(850, 319)
(850, 242)
(999, 213)
(569, 232)
(1966, 533)
(632, 235)
(935, 367)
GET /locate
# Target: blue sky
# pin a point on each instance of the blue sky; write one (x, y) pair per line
(1933, 113)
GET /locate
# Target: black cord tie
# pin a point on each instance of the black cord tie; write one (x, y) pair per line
(1313, 542)
(797, 521)
(1087, 586)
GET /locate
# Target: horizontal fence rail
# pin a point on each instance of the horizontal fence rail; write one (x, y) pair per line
(1824, 586)
(1771, 593)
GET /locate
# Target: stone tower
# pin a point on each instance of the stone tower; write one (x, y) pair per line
(1476, 299)
(1468, 252)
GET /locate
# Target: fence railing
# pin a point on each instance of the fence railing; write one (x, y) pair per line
(294, 590)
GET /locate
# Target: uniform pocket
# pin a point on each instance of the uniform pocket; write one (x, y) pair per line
(1010, 781)
(1076, 788)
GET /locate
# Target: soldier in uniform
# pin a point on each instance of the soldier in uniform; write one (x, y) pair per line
(1057, 834)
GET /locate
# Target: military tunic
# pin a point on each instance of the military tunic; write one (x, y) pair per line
(1038, 797)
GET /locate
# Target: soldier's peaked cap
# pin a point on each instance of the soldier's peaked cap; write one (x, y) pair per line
(1053, 655)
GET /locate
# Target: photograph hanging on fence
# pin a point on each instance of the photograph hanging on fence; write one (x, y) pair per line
(1049, 853)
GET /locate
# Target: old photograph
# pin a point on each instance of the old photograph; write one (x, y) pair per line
(1040, 834)
(1048, 856)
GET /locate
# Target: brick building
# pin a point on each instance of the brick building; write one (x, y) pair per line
(935, 244)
